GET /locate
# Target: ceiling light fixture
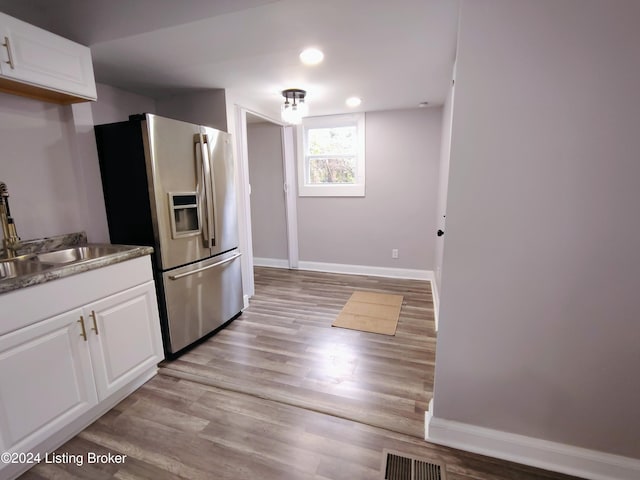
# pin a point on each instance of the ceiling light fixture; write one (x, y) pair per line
(311, 56)
(353, 102)
(294, 107)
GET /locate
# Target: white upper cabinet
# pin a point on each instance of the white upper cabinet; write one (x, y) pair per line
(39, 64)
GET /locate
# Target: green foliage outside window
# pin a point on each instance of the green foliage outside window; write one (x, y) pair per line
(331, 153)
(331, 170)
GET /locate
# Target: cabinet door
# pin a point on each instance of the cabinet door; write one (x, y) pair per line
(124, 337)
(46, 380)
(37, 57)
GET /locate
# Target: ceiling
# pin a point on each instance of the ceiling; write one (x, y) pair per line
(391, 54)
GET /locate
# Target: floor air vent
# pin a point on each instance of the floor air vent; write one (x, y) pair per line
(399, 466)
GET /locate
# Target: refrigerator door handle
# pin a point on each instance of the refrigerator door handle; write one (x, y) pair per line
(200, 188)
(198, 270)
(212, 212)
(209, 231)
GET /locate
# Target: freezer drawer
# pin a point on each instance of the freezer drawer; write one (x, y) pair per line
(201, 297)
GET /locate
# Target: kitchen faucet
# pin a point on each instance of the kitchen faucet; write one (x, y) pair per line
(11, 240)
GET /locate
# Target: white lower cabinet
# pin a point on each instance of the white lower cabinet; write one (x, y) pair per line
(46, 380)
(122, 337)
(59, 374)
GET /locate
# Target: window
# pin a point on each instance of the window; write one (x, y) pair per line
(331, 156)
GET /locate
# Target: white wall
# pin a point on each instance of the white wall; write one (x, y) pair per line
(37, 166)
(399, 209)
(268, 226)
(539, 331)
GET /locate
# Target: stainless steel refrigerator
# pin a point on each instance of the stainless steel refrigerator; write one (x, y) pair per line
(171, 185)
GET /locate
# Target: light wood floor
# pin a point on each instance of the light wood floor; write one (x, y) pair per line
(283, 348)
(177, 428)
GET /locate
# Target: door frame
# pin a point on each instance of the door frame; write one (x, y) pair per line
(443, 187)
(289, 188)
(291, 192)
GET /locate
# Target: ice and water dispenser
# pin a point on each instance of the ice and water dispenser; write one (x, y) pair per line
(185, 214)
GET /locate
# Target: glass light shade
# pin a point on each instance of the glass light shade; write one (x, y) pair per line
(290, 114)
(303, 108)
(294, 107)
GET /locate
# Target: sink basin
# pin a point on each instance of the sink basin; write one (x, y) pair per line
(35, 268)
(34, 263)
(18, 267)
(76, 254)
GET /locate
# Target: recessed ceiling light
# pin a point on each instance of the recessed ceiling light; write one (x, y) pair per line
(423, 104)
(311, 56)
(353, 101)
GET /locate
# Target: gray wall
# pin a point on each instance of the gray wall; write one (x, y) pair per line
(50, 163)
(115, 105)
(204, 108)
(37, 166)
(539, 332)
(268, 220)
(399, 209)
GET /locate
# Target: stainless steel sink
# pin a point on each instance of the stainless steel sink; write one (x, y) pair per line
(18, 267)
(76, 254)
(41, 262)
(33, 268)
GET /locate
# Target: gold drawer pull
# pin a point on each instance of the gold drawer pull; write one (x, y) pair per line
(95, 323)
(84, 331)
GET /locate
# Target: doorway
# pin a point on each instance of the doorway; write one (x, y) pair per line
(267, 176)
(265, 155)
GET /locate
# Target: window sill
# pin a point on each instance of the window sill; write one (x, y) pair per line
(331, 191)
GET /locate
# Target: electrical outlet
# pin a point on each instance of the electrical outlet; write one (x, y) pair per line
(394, 253)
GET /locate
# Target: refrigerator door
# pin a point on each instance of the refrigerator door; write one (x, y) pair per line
(201, 297)
(175, 167)
(219, 153)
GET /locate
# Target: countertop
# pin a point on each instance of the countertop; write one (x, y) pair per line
(121, 253)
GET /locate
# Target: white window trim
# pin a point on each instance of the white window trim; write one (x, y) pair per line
(356, 189)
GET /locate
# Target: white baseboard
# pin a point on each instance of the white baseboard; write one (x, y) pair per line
(367, 270)
(535, 452)
(270, 262)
